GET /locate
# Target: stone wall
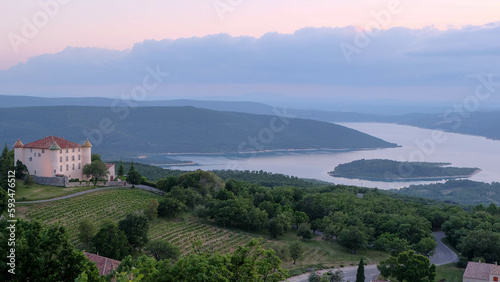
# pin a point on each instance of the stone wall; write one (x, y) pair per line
(54, 181)
(64, 182)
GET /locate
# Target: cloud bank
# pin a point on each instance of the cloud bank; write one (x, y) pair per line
(397, 57)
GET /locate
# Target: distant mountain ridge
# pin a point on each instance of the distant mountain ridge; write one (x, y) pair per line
(481, 123)
(154, 130)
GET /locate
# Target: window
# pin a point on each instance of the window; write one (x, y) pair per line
(35, 171)
(34, 154)
(67, 158)
(60, 168)
(66, 150)
(55, 171)
(79, 166)
(31, 159)
(78, 149)
(39, 154)
(43, 151)
(31, 150)
(60, 151)
(72, 158)
(67, 167)
(60, 159)
(78, 157)
(73, 166)
(73, 150)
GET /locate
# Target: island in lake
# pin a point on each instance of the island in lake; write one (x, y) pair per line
(389, 170)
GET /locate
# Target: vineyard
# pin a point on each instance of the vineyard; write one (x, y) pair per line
(116, 204)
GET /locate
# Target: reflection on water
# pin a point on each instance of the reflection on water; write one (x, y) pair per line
(417, 145)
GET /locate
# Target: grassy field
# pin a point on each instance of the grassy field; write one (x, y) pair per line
(450, 272)
(115, 204)
(43, 192)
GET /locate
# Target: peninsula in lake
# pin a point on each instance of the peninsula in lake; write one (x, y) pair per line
(389, 170)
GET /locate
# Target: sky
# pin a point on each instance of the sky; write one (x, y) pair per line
(391, 49)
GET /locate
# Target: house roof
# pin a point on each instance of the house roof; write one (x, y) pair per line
(48, 141)
(104, 264)
(110, 165)
(495, 270)
(87, 144)
(477, 270)
(18, 144)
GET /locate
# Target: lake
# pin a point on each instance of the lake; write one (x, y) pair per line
(417, 144)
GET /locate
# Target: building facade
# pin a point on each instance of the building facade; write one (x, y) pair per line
(56, 157)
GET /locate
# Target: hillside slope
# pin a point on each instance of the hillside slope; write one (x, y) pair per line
(176, 130)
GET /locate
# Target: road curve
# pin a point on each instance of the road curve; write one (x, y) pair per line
(442, 254)
(143, 187)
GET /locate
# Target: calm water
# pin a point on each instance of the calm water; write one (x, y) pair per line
(417, 145)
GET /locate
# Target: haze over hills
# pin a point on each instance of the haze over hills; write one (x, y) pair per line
(154, 130)
(481, 123)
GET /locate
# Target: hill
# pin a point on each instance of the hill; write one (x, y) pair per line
(480, 123)
(129, 132)
(464, 192)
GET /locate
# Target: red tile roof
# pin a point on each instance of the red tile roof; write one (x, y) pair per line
(18, 144)
(104, 264)
(478, 270)
(46, 142)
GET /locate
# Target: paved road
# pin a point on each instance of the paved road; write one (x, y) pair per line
(442, 254)
(143, 187)
(371, 272)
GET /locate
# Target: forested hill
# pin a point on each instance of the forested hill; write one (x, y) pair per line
(117, 132)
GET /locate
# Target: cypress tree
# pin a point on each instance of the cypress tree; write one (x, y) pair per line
(360, 275)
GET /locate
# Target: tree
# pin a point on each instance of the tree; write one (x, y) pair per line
(97, 170)
(426, 246)
(331, 276)
(121, 170)
(408, 266)
(6, 164)
(352, 238)
(87, 231)
(300, 217)
(151, 210)
(304, 231)
(170, 207)
(391, 243)
(279, 225)
(254, 263)
(296, 249)
(111, 242)
(135, 227)
(29, 181)
(21, 169)
(95, 157)
(360, 274)
(43, 253)
(161, 250)
(481, 243)
(133, 177)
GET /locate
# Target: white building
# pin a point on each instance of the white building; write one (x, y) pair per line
(53, 156)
